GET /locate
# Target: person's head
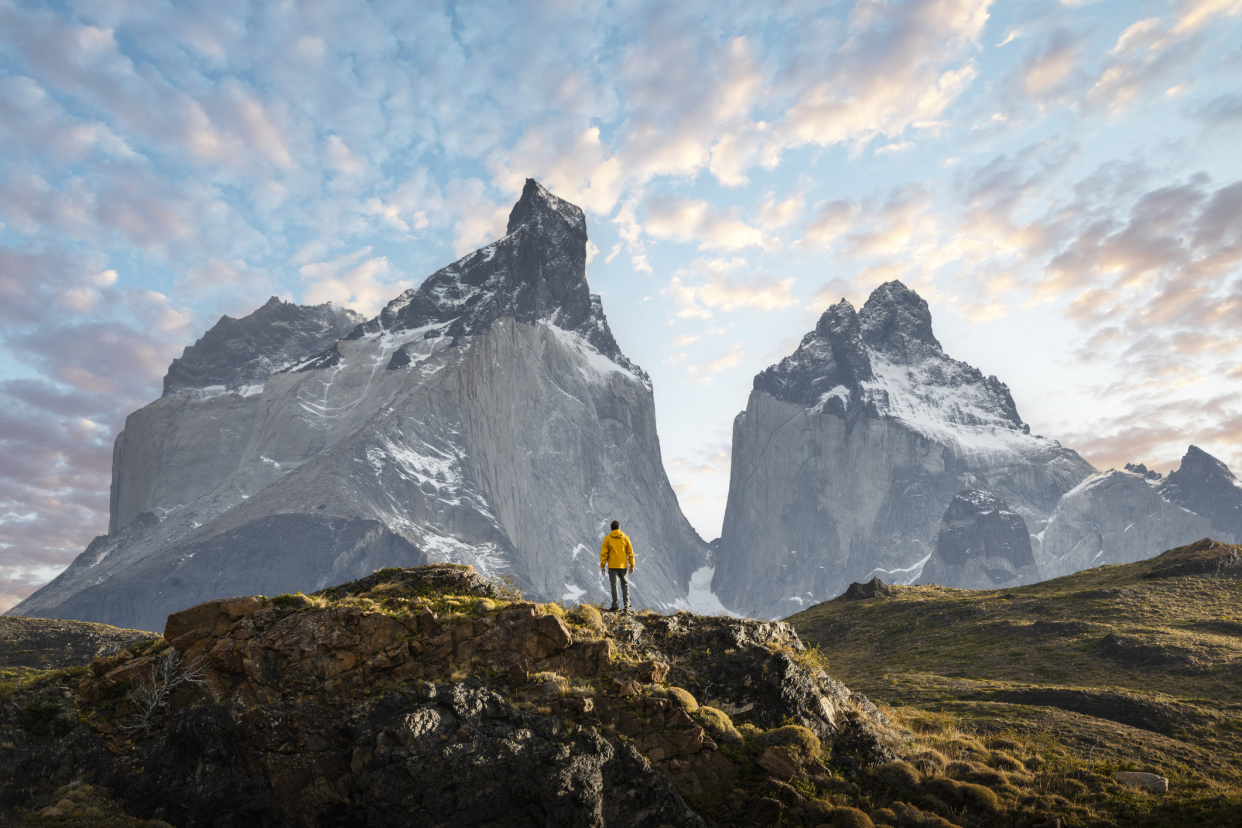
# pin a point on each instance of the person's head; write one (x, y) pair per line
(616, 524)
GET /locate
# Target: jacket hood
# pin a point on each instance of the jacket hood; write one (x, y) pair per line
(616, 533)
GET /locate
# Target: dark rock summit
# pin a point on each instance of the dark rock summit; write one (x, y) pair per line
(487, 417)
(238, 355)
(838, 361)
(1205, 485)
(981, 545)
(533, 274)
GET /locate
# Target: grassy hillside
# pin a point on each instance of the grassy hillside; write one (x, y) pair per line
(1132, 667)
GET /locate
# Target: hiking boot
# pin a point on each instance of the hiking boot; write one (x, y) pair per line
(612, 609)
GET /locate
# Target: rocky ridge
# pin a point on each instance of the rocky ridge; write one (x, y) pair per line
(1116, 517)
(487, 417)
(417, 696)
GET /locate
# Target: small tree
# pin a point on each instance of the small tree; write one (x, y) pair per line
(152, 693)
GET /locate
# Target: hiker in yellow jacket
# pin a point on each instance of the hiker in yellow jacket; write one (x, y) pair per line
(616, 554)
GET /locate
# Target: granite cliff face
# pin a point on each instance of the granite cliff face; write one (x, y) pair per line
(851, 449)
(981, 545)
(487, 417)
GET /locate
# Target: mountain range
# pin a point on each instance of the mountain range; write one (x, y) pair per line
(489, 417)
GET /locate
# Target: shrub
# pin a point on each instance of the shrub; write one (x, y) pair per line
(908, 816)
(686, 701)
(506, 587)
(1003, 761)
(959, 769)
(798, 740)
(930, 762)
(850, 818)
(885, 816)
(899, 774)
(973, 797)
(585, 615)
(991, 778)
(718, 725)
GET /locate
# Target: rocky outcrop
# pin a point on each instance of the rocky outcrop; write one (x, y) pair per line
(981, 545)
(423, 697)
(1204, 557)
(487, 417)
(851, 449)
(51, 643)
(1114, 517)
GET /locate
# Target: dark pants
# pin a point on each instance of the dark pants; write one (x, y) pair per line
(624, 576)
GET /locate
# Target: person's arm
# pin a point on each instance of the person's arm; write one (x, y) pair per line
(629, 553)
(603, 554)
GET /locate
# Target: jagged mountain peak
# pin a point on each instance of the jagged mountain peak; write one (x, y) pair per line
(535, 273)
(886, 360)
(537, 204)
(1207, 487)
(238, 355)
(897, 321)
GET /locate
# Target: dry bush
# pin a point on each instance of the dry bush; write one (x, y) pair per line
(885, 816)
(850, 818)
(899, 774)
(929, 762)
(718, 725)
(1003, 761)
(958, 769)
(909, 816)
(976, 798)
(683, 698)
(798, 740)
(152, 694)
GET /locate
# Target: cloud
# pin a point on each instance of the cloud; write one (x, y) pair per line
(356, 280)
(480, 219)
(705, 371)
(1221, 111)
(686, 220)
(706, 285)
(900, 66)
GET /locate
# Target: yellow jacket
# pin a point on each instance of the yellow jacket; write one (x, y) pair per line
(616, 552)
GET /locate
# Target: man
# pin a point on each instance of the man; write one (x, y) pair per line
(616, 554)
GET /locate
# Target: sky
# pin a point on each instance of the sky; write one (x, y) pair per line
(1061, 181)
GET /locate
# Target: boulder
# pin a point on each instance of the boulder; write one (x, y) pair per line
(1143, 781)
(652, 672)
(779, 762)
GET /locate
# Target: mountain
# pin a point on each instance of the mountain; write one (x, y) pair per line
(851, 449)
(1117, 517)
(487, 417)
(981, 545)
